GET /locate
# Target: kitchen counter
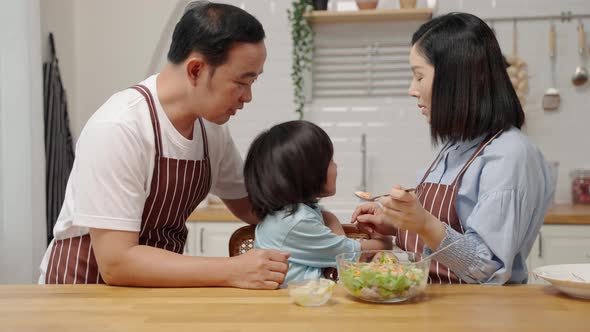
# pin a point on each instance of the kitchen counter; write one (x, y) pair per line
(568, 214)
(215, 213)
(560, 214)
(88, 308)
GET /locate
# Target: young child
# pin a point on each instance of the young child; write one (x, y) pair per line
(288, 168)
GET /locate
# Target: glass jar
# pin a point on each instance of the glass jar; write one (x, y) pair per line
(580, 186)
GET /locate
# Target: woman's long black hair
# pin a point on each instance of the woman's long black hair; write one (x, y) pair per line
(471, 92)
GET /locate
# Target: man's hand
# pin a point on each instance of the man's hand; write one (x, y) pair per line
(259, 269)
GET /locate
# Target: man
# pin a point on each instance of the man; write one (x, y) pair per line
(151, 153)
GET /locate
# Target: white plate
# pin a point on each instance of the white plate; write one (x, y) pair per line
(563, 277)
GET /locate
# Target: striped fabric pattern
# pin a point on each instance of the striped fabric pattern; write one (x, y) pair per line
(439, 200)
(59, 150)
(177, 187)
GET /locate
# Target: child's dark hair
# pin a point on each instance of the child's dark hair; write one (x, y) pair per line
(287, 165)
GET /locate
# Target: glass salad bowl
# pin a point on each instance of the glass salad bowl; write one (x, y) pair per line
(382, 276)
(311, 292)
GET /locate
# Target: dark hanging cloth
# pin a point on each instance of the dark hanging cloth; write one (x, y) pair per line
(59, 151)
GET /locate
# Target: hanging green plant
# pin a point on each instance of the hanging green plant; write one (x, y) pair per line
(302, 36)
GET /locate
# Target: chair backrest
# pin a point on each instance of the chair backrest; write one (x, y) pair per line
(242, 239)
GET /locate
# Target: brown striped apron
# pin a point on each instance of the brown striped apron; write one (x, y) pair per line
(439, 200)
(177, 187)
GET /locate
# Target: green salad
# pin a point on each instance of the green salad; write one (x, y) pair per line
(381, 279)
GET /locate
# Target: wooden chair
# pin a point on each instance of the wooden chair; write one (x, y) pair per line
(242, 239)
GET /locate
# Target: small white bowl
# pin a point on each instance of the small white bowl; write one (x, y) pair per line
(311, 292)
(572, 279)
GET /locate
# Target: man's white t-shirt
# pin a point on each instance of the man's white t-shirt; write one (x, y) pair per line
(115, 156)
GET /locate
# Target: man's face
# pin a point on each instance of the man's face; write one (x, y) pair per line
(228, 87)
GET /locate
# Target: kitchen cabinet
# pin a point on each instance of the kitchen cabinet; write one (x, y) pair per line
(560, 244)
(210, 238)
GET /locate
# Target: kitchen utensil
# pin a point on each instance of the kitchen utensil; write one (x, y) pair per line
(434, 254)
(517, 70)
(365, 196)
(580, 76)
(578, 277)
(551, 98)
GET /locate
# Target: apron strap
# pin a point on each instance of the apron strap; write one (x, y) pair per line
(145, 92)
(205, 142)
(482, 146)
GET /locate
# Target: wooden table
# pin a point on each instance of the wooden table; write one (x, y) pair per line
(441, 308)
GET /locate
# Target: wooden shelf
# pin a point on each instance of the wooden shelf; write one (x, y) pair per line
(324, 16)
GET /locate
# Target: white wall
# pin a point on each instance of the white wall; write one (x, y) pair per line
(104, 46)
(22, 171)
(113, 43)
(58, 16)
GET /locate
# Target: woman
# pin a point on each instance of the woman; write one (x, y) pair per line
(488, 187)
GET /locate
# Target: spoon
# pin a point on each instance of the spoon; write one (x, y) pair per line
(365, 196)
(551, 98)
(580, 76)
(578, 277)
(440, 250)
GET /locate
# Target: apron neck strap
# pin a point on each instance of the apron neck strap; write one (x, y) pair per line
(482, 146)
(145, 92)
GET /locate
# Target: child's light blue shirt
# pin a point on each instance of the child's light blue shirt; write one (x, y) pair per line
(313, 246)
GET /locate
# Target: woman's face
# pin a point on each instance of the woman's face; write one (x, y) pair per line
(422, 77)
(330, 187)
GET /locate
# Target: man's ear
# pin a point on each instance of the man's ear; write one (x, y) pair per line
(195, 67)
